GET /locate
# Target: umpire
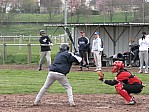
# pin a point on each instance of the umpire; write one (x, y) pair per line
(83, 44)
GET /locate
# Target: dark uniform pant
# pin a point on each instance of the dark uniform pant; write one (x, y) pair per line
(84, 56)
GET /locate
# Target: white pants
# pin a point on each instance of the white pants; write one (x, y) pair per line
(143, 55)
(51, 78)
(46, 54)
(97, 58)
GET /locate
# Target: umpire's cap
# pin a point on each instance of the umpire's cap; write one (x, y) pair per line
(64, 47)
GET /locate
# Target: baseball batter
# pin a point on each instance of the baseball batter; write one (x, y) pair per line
(58, 70)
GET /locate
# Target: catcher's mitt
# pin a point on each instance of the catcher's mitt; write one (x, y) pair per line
(101, 75)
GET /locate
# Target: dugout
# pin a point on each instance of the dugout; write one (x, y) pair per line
(116, 36)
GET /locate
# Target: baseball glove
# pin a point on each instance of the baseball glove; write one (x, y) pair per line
(101, 75)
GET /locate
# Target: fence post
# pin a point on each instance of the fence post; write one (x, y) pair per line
(29, 38)
(59, 38)
(55, 39)
(14, 40)
(20, 42)
(29, 53)
(4, 53)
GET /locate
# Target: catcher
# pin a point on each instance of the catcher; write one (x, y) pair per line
(125, 82)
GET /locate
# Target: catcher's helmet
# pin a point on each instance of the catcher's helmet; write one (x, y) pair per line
(42, 32)
(64, 47)
(117, 65)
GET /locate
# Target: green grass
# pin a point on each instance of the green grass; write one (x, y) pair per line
(28, 29)
(30, 81)
(120, 17)
(33, 29)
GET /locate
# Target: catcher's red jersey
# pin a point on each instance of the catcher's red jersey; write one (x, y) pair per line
(127, 77)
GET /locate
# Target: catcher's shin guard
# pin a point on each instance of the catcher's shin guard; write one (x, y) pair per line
(122, 92)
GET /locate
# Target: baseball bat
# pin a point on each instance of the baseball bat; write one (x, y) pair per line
(71, 39)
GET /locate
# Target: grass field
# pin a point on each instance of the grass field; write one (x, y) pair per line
(33, 29)
(120, 17)
(30, 81)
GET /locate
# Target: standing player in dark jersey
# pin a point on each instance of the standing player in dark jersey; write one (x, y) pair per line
(58, 71)
(45, 42)
(125, 82)
(83, 44)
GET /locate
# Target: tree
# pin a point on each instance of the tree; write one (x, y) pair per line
(53, 7)
(11, 13)
(110, 9)
(77, 9)
(126, 6)
(28, 6)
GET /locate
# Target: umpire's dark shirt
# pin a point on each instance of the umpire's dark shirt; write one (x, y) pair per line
(62, 62)
(45, 40)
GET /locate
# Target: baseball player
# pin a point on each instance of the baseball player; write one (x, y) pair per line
(58, 70)
(83, 44)
(45, 50)
(125, 82)
(97, 48)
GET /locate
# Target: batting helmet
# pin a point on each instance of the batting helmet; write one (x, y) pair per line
(42, 32)
(64, 47)
(117, 65)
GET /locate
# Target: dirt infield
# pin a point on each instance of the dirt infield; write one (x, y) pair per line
(58, 102)
(74, 68)
(84, 103)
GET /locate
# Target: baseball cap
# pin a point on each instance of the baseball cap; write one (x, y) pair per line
(96, 33)
(42, 31)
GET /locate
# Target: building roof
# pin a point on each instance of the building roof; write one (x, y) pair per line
(98, 24)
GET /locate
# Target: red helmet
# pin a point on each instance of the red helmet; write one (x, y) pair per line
(117, 65)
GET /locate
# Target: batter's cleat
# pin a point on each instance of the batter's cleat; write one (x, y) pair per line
(36, 103)
(72, 104)
(132, 102)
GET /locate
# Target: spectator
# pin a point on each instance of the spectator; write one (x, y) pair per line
(97, 48)
(143, 52)
(83, 44)
(45, 42)
(134, 52)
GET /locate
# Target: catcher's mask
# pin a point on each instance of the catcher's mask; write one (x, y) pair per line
(42, 32)
(64, 47)
(117, 65)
